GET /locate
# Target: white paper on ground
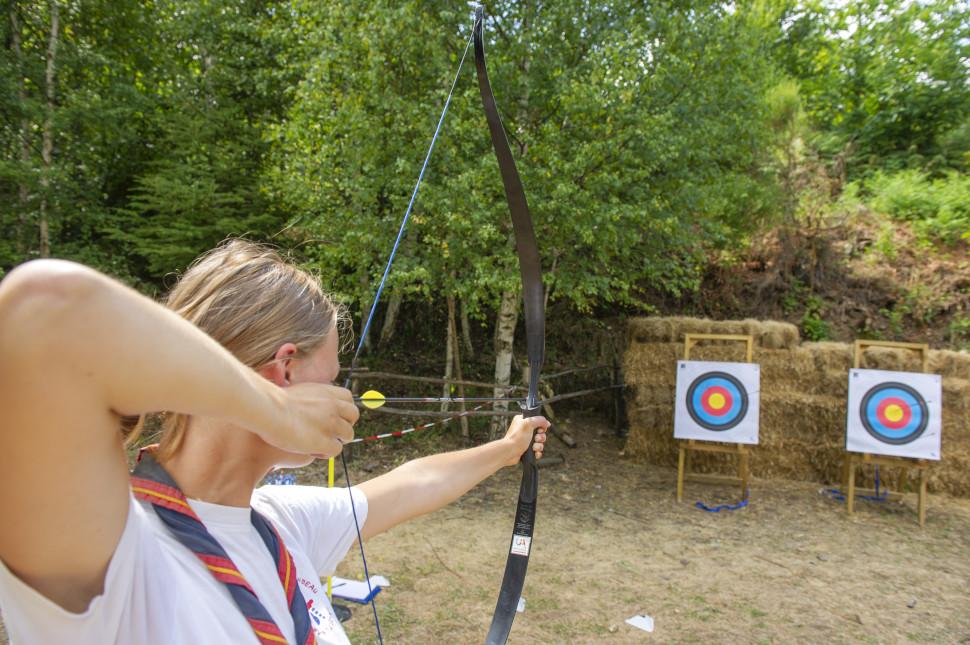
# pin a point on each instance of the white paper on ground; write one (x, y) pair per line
(641, 622)
(357, 589)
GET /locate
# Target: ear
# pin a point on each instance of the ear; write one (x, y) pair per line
(278, 370)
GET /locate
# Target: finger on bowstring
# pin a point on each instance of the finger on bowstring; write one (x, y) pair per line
(348, 411)
(344, 433)
(331, 450)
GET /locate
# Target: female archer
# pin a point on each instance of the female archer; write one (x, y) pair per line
(187, 549)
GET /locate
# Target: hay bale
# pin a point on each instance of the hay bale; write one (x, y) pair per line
(956, 397)
(733, 327)
(947, 363)
(727, 353)
(778, 335)
(644, 395)
(651, 363)
(652, 434)
(831, 356)
(753, 328)
(655, 329)
(683, 325)
(649, 330)
(784, 370)
(891, 359)
(803, 401)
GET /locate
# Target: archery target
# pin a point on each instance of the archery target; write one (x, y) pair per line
(717, 401)
(894, 413)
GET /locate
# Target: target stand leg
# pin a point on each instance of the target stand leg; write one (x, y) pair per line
(922, 496)
(684, 461)
(850, 483)
(903, 463)
(680, 472)
(745, 470)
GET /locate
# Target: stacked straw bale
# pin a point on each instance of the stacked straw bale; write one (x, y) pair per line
(804, 389)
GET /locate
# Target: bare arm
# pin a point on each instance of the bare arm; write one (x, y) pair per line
(429, 483)
(76, 350)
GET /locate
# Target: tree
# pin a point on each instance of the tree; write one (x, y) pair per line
(888, 76)
(638, 133)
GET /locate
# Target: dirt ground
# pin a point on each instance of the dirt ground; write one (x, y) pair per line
(611, 542)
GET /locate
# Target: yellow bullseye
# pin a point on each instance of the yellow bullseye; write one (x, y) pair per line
(717, 401)
(894, 412)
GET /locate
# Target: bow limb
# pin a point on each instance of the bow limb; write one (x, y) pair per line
(532, 293)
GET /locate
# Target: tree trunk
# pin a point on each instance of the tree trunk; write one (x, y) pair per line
(508, 316)
(466, 332)
(449, 360)
(456, 357)
(47, 147)
(390, 319)
(364, 312)
(22, 189)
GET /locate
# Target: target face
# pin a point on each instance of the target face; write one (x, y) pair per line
(717, 401)
(894, 413)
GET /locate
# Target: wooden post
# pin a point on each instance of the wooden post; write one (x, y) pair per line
(691, 445)
(922, 497)
(680, 472)
(619, 403)
(745, 468)
(850, 492)
(903, 463)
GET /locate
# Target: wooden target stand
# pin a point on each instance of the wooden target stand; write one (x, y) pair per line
(853, 459)
(692, 445)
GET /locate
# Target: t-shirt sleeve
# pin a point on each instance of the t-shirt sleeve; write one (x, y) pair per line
(31, 617)
(320, 518)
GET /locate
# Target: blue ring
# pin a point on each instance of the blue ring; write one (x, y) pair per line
(734, 416)
(911, 431)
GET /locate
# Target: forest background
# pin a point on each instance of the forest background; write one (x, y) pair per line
(797, 159)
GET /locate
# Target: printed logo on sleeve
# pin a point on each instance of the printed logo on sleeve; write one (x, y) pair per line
(325, 625)
(521, 545)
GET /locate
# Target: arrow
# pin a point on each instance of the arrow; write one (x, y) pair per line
(372, 399)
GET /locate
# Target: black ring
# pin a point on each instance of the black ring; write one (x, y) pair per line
(912, 436)
(704, 424)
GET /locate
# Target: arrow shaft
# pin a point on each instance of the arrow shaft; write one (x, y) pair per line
(438, 399)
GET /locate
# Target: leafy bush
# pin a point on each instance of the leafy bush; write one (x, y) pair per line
(813, 326)
(959, 333)
(938, 208)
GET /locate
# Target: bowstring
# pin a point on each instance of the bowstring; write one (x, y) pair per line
(370, 319)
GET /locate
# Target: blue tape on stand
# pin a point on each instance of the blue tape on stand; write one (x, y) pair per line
(839, 496)
(723, 507)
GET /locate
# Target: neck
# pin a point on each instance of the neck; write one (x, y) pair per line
(217, 463)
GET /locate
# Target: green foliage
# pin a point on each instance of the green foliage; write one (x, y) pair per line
(884, 81)
(650, 138)
(894, 318)
(638, 135)
(813, 326)
(958, 332)
(938, 208)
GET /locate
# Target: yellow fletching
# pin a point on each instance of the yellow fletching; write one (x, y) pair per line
(372, 399)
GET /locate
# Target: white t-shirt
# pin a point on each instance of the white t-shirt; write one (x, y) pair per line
(158, 592)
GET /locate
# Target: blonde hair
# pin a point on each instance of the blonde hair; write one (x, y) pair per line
(252, 301)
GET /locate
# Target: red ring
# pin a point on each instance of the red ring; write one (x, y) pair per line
(706, 397)
(895, 425)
